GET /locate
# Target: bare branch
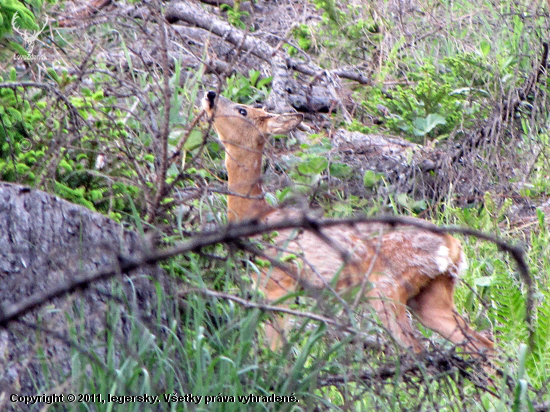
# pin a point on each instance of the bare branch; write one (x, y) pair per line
(196, 16)
(230, 233)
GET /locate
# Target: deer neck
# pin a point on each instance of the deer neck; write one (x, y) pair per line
(244, 172)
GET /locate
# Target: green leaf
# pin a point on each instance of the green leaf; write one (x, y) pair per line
(66, 166)
(98, 95)
(424, 125)
(403, 199)
(313, 166)
(16, 114)
(266, 81)
(22, 168)
(340, 170)
(96, 195)
(370, 179)
(53, 75)
(254, 76)
(420, 206)
(18, 48)
(172, 171)
(194, 140)
(284, 193)
(485, 47)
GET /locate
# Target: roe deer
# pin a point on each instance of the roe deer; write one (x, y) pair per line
(407, 267)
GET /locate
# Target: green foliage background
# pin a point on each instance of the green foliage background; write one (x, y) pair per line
(91, 131)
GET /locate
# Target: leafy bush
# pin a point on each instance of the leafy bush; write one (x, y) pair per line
(436, 103)
(247, 90)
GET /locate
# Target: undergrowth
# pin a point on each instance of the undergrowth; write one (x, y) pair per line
(99, 147)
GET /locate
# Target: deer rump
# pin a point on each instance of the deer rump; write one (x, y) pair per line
(388, 267)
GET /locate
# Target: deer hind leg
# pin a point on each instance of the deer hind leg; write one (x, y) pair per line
(389, 302)
(434, 306)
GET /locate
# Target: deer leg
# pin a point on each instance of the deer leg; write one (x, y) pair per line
(389, 302)
(274, 332)
(434, 306)
(277, 285)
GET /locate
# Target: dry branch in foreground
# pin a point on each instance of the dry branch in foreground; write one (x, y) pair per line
(232, 234)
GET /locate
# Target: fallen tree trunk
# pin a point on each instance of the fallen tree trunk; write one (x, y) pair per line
(195, 16)
(46, 242)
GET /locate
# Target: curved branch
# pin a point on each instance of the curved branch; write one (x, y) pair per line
(231, 233)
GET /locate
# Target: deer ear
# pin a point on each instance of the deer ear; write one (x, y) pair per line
(284, 123)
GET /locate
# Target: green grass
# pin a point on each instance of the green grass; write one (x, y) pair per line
(208, 346)
(439, 70)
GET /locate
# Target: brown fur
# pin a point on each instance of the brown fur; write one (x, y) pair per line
(394, 268)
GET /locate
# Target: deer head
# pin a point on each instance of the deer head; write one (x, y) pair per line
(243, 131)
(245, 126)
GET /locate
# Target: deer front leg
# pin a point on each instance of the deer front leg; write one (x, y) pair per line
(276, 285)
(389, 301)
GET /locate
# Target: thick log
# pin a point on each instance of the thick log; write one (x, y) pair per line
(46, 242)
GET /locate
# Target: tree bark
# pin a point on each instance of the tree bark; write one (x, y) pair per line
(44, 242)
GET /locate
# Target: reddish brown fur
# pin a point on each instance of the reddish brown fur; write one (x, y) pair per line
(395, 268)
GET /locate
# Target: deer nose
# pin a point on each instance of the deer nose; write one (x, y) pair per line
(211, 95)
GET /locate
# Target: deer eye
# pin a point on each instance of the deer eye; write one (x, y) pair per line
(242, 111)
